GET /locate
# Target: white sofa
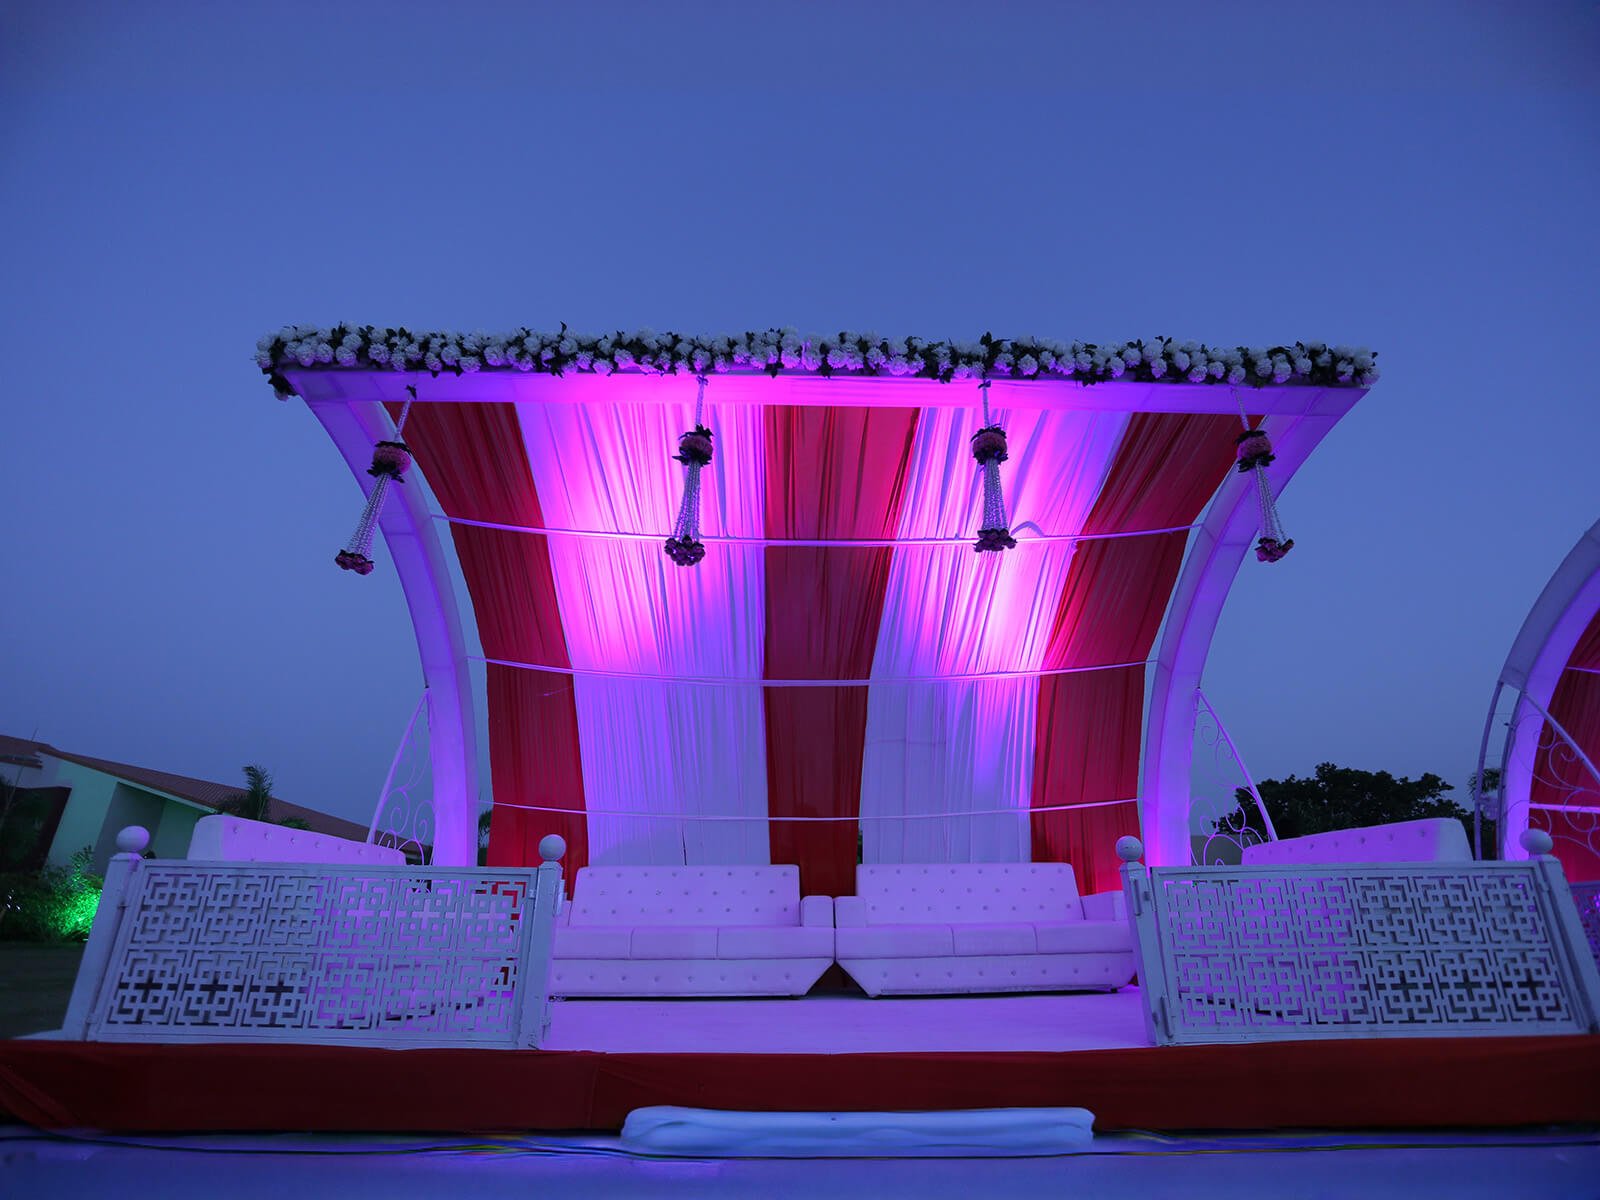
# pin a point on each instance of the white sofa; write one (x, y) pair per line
(980, 927)
(691, 931)
(222, 838)
(1433, 839)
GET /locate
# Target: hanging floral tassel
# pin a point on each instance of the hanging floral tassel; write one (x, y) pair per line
(989, 448)
(389, 463)
(1254, 450)
(684, 547)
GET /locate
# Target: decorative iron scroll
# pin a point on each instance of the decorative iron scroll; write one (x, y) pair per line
(1237, 954)
(404, 818)
(1560, 778)
(1226, 812)
(296, 953)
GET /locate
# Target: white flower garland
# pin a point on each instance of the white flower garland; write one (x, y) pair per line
(365, 347)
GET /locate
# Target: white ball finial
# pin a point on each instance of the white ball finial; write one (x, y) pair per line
(1129, 849)
(133, 839)
(552, 846)
(1536, 842)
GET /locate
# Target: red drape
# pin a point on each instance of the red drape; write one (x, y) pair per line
(1576, 705)
(831, 473)
(1086, 750)
(473, 458)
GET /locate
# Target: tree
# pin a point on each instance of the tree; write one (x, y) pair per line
(255, 802)
(1346, 798)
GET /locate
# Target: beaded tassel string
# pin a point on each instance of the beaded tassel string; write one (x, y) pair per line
(684, 547)
(989, 449)
(389, 463)
(1254, 451)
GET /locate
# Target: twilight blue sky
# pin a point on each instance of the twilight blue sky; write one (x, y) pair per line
(178, 178)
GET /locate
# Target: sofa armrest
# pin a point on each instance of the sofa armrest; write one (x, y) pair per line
(817, 910)
(849, 912)
(1106, 906)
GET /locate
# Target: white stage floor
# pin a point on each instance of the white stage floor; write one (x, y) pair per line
(851, 1024)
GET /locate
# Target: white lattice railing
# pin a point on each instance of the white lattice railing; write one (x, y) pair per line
(1238, 954)
(289, 952)
(1586, 896)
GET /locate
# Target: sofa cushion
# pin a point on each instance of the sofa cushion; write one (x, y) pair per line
(986, 893)
(595, 941)
(894, 941)
(1432, 839)
(1082, 937)
(695, 896)
(776, 941)
(1013, 938)
(656, 941)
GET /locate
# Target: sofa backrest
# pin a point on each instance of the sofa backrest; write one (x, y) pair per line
(687, 896)
(968, 893)
(1433, 839)
(222, 838)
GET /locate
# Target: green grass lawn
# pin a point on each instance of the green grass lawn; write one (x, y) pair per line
(35, 983)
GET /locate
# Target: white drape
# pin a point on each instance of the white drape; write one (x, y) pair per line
(967, 746)
(668, 749)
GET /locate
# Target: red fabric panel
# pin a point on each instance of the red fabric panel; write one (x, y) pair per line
(831, 473)
(473, 457)
(1402, 1083)
(1576, 704)
(1089, 726)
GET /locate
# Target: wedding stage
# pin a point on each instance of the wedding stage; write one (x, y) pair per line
(929, 613)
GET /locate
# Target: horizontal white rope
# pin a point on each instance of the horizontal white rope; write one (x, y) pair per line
(955, 816)
(751, 681)
(734, 540)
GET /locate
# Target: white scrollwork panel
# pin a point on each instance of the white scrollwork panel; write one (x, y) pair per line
(393, 955)
(1358, 951)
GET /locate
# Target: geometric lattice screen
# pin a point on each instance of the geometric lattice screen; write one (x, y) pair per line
(1258, 953)
(1587, 898)
(310, 953)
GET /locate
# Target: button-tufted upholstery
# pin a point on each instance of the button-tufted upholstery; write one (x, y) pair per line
(913, 893)
(925, 928)
(1433, 839)
(691, 931)
(223, 838)
(687, 896)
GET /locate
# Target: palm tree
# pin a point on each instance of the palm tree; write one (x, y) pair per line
(255, 802)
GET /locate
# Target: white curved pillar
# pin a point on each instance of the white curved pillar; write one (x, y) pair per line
(1539, 654)
(419, 559)
(1215, 552)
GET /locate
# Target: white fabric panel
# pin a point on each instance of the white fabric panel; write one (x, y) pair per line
(664, 748)
(966, 746)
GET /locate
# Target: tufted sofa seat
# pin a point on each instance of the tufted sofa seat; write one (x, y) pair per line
(919, 929)
(1433, 839)
(691, 931)
(223, 838)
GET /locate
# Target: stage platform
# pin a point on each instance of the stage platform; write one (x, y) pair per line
(851, 1024)
(826, 1053)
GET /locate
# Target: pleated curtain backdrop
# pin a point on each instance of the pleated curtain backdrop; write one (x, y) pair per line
(951, 746)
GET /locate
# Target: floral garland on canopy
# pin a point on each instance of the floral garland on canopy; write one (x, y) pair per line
(775, 351)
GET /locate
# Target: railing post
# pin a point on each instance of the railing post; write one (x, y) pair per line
(1568, 925)
(534, 1024)
(121, 873)
(1146, 938)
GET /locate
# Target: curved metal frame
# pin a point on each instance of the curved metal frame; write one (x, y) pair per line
(1215, 552)
(1533, 667)
(412, 537)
